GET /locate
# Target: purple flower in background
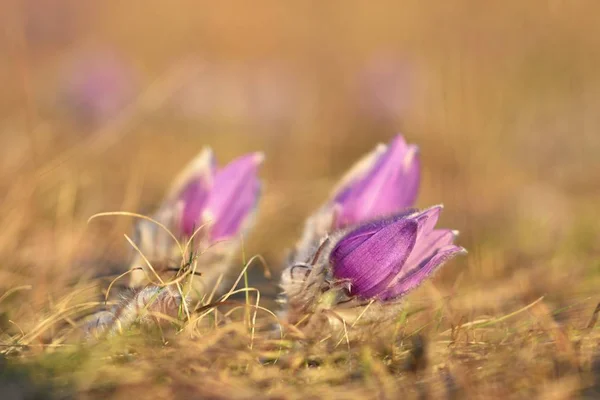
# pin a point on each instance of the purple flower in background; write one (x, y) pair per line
(97, 87)
(273, 94)
(386, 181)
(222, 199)
(387, 258)
(385, 87)
(196, 99)
(265, 93)
(213, 204)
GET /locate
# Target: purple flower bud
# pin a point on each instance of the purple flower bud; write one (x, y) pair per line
(387, 258)
(98, 86)
(233, 196)
(384, 182)
(221, 199)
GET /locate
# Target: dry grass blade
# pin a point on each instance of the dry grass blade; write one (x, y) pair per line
(135, 215)
(110, 285)
(489, 322)
(145, 259)
(193, 236)
(594, 318)
(48, 322)
(13, 290)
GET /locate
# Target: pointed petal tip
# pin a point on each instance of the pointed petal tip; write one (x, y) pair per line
(411, 156)
(430, 210)
(437, 207)
(414, 151)
(208, 217)
(206, 150)
(380, 147)
(453, 249)
(204, 156)
(399, 138)
(258, 157)
(455, 233)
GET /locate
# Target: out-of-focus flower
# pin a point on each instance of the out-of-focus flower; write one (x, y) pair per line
(264, 93)
(215, 205)
(383, 182)
(221, 199)
(97, 87)
(387, 258)
(274, 94)
(385, 87)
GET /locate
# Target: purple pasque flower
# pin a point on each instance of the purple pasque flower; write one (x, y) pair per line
(220, 198)
(387, 258)
(97, 87)
(384, 182)
(213, 204)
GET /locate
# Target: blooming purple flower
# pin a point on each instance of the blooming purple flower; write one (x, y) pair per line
(389, 257)
(222, 199)
(385, 182)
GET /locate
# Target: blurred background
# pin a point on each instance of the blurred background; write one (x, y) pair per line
(102, 103)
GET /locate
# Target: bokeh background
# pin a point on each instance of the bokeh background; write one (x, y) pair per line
(102, 103)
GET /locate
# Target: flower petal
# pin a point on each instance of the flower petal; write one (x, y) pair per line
(412, 176)
(194, 198)
(427, 246)
(390, 185)
(190, 191)
(234, 195)
(356, 173)
(428, 218)
(202, 167)
(371, 256)
(414, 278)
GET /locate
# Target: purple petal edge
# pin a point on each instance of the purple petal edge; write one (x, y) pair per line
(372, 263)
(413, 279)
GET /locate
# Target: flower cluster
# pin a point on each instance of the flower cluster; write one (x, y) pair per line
(367, 243)
(97, 87)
